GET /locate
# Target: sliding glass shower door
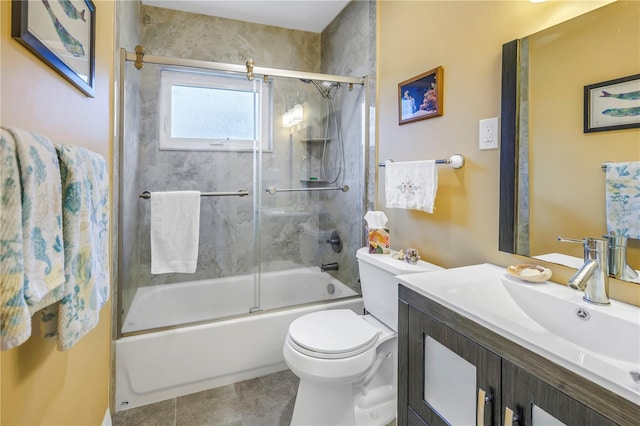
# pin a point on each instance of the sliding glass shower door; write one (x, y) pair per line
(279, 162)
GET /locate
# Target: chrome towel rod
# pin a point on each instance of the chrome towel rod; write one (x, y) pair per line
(272, 190)
(456, 161)
(240, 193)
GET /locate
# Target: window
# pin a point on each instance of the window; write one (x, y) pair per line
(213, 112)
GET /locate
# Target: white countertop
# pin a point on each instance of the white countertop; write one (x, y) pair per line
(486, 294)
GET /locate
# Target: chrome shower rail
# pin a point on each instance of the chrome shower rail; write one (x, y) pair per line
(273, 190)
(240, 193)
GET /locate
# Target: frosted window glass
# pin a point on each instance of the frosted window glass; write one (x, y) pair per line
(539, 417)
(206, 113)
(449, 384)
(214, 112)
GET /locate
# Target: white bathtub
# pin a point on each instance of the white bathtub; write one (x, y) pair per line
(174, 304)
(165, 364)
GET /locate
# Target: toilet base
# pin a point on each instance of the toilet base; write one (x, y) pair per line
(331, 405)
(322, 405)
(377, 406)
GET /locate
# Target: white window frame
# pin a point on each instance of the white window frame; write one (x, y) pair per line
(173, 77)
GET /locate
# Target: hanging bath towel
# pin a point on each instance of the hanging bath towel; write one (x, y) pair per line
(85, 217)
(39, 173)
(411, 185)
(15, 319)
(175, 230)
(623, 199)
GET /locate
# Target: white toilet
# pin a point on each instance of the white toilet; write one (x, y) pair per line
(347, 363)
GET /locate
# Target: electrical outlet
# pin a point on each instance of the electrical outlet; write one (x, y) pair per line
(488, 134)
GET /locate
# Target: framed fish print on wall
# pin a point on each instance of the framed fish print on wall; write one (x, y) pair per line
(62, 34)
(421, 97)
(612, 105)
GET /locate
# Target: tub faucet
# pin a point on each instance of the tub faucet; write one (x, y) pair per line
(329, 267)
(593, 275)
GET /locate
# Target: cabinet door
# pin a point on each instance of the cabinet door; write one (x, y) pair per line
(530, 401)
(452, 380)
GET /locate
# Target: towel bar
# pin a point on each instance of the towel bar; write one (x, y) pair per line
(240, 193)
(456, 161)
(272, 190)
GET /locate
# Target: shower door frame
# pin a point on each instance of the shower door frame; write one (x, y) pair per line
(252, 72)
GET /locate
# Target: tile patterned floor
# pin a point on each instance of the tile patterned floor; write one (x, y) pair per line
(265, 401)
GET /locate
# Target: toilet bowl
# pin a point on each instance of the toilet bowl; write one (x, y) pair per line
(346, 362)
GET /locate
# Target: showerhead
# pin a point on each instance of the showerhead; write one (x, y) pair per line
(324, 88)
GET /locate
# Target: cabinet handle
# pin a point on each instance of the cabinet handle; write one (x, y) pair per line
(510, 417)
(483, 399)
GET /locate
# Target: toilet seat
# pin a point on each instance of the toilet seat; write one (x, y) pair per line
(332, 334)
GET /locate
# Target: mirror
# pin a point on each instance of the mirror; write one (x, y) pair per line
(552, 179)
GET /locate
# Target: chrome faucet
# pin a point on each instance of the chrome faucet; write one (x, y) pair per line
(593, 275)
(329, 267)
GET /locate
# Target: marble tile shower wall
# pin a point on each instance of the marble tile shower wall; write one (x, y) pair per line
(294, 238)
(226, 233)
(128, 35)
(348, 48)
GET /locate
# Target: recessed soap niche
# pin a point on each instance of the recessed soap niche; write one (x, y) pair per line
(312, 149)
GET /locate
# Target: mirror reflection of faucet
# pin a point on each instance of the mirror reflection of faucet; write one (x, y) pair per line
(593, 275)
(618, 266)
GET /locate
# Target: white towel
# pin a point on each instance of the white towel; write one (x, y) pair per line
(411, 185)
(623, 199)
(175, 229)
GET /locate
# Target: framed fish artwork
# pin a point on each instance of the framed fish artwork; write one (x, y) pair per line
(421, 97)
(612, 104)
(62, 34)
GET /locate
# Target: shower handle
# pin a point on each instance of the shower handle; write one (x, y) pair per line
(335, 241)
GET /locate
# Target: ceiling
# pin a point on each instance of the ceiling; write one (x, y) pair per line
(303, 15)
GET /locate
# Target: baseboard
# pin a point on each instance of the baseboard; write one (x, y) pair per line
(106, 421)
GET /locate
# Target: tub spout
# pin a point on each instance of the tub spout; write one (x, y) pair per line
(329, 267)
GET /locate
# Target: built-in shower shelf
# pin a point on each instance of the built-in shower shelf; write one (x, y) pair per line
(313, 180)
(318, 140)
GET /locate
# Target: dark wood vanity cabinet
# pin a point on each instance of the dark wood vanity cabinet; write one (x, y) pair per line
(523, 391)
(486, 363)
(510, 384)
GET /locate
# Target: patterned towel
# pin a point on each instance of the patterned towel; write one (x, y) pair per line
(85, 219)
(15, 319)
(623, 199)
(41, 218)
(411, 185)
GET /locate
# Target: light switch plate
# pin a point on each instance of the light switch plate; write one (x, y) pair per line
(488, 134)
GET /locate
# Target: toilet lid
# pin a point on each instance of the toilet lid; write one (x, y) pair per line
(336, 333)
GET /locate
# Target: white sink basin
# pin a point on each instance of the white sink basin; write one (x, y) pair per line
(543, 318)
(610, 331)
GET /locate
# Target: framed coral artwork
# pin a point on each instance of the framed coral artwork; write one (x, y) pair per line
(612, 104)
(421, 97)
(62, 34)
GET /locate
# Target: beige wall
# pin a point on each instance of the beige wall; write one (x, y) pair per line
(39, 385)
(465, 38)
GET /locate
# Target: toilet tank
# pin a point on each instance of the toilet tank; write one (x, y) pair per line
(379, 286)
